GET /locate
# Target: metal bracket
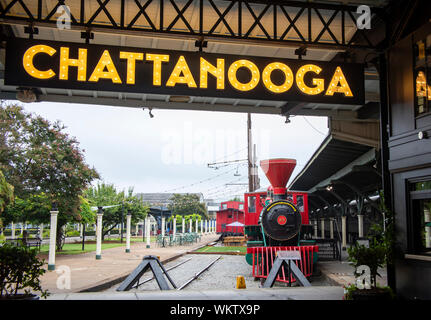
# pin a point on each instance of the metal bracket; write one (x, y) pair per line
(158, 270)
(201, 44)
(31, 30)
(87, 35)
(285, 258)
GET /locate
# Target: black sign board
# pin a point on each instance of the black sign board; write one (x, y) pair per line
(49, 64)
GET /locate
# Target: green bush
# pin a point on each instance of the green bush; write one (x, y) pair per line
(20, 271)
(73, 233)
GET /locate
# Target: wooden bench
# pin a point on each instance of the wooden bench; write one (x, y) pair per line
(235, 241)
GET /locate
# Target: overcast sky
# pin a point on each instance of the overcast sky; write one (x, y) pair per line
(170, 152)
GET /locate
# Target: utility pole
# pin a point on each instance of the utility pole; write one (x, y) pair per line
(249, 155)
(256, 181)
(253, 180)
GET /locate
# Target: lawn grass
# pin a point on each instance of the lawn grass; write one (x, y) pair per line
(222, 249)
(90, 246)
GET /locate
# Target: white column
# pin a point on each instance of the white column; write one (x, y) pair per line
(148, 231)
(175, 226)
(22, 227)
(360, 225)
(202, 225)
(136, 229)
(196, 225)
(183, 225)
(163, 226)
(331, 228)
(322, 222)
(81, 229)
(206, 226)
(344, 231)
(52, 238)
(99, 236)
(315, 228)
(427, 218)
(41, 231)
(191, 224)
(12, 230)
(128, 222)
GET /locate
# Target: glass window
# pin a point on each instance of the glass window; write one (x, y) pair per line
(241, 206)
(422, 226)
(300, 203)
(423, 185)
(420, 217)
(252, 204)
(224, 206)
(289, 197)
(422, 74)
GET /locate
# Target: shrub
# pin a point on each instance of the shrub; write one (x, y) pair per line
(73, 233)
(20, 269)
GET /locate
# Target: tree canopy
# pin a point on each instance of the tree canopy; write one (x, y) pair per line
(6, 192)
(107, 195)
(186, 204)
(43, 163)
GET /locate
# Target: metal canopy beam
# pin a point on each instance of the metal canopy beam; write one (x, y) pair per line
(273, 23)
(358, 192)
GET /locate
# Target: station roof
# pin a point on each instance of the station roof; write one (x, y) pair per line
(330, 157)
(180, 38)
(338, 173)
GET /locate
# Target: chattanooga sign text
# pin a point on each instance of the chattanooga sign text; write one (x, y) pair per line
(47, 64)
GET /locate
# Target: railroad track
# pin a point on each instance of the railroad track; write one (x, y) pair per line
(189, 281)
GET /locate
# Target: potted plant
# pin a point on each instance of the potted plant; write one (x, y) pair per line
(20, 269)
(370, 257)
(367, 258)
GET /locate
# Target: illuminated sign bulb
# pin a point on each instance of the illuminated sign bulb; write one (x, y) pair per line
(28, 61)
(255, 75)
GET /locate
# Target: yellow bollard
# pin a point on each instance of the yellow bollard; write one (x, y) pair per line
(240, 282)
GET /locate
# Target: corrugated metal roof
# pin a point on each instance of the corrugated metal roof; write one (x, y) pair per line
(332, 156)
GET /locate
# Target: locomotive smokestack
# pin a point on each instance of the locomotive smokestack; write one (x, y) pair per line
(278, 172)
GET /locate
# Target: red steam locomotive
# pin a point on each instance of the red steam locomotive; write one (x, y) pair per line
(277, 220)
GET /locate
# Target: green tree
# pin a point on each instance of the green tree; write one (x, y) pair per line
(87, 215)
(34, 208)
(6, 195)
(107, 195)
(186, 204)
(6, 192)
(38, 157)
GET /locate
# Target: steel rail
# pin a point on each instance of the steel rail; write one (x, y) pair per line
(149, 279)
(198, 274)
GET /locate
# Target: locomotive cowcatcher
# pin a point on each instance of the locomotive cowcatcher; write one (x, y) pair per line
(277, 220)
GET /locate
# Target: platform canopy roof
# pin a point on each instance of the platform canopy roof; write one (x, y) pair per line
(339, 173)
(326, 29)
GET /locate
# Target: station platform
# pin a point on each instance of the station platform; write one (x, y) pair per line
(341, 273)
(294, 293)
(89, 274)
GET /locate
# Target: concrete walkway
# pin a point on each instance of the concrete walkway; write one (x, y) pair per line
(299, 293)
(89, 274)
(340, 273)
